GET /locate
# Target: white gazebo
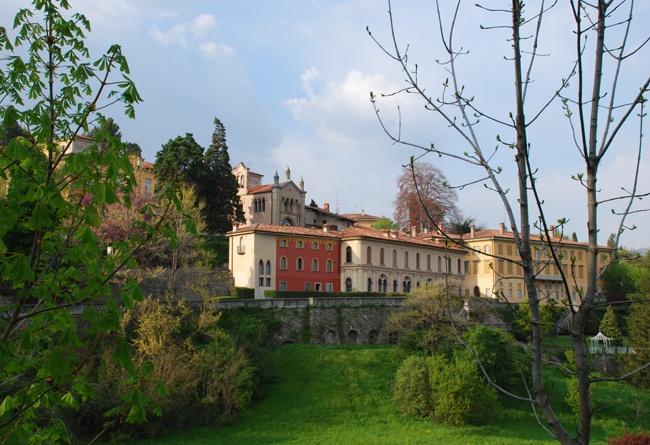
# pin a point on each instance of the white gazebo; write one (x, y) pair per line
(599, 343)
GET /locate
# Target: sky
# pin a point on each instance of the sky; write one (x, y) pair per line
(291, 81)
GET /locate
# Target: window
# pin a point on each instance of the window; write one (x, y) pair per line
(283, 242)
(147, 186)
(329, 287)
(299, 265)
(314, 265)
(448, 262)
(283, 285)
(329, 246)
(381, 256)
(317, 287)
(500, 249)
(314, 245)
(368, 255)
(268, 281)
(260, 268)
(369, 288)
(283, 263)
(381, 283)
(348, 284)
(406, 285)
(459, 266)
(429, 263)
(439, 264)
(467, 269)
(486, 249)
(519, 293)
(348, 254)
(509, 249)
(417, 261)
(307, 285)
(329, 266)
(268, 267)
(261, 281)
(300, 244)
(394, 285)
(406, 260)
(394, 258)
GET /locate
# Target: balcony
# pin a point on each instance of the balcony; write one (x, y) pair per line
(241, 250)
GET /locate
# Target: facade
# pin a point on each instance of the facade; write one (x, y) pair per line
(275, 257)
(491, 277)
(319, 217)
(362, 219)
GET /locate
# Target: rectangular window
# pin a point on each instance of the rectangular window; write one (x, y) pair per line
(499, 249)
(268, 281)
(467, 269)
(283, 285)
(500, 267)
(261, 282)
(509, 249)
(317, 286)
(307, 286)
(329, 287)
(519, 293)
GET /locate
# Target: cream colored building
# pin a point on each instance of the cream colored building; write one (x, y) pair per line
(389, 261)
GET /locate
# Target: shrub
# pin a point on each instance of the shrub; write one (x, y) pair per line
(500, 357)
(460, 395)
(244, 293)
(640, 438)
(412, 391)
(609, 325)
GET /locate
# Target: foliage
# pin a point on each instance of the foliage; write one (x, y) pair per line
(638, 325)
(609, 325)
(217, 246)
(245, 293)
(52, 89)
(438, 200)
(552, 312)
(460, 395)
(412, 390)
(460, 224)
(640, 438)
(385, 223)
(424, 322)
(497, 353)
(196, 372)
(109, 126)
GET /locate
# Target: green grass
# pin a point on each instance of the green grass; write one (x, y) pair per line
(342, 395)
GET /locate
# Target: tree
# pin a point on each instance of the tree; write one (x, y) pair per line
(384, 223)
(463, 225)
(638, 325)
(111, 127)
(180, 162)
(595, 119)
(51, 322)
(609, 325)
(218, 189)
(421, 191)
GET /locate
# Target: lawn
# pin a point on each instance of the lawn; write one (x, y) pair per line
(342, 395)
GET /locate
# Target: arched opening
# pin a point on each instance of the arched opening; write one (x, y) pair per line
(394, 258)
(372, 337)
(477, 291)
(417, 261)
(369, 289)
(353, 336)
(330, 337)
(260, 267)
(348, 254)
(369, 255)
(381, 256)
(283, 263)
(406, 285)
(287, 222)
(348, 284)
(268, 267)
(329, 266)
(394, 285)
(299, 265)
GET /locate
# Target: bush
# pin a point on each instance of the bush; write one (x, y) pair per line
(244, 293)
(638, 326)
(412, 391)
(460, 395)
(321, 294)
(494, 348)
(640, 438)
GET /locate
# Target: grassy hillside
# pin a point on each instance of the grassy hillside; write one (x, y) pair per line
(341, 395)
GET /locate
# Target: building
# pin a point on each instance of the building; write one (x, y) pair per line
(275, 257)
(487, 276)
(272, 257)
(362, 219)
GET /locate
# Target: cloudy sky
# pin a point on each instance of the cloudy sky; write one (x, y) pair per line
(290, 79)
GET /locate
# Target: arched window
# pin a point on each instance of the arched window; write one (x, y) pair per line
(255, 205)
(348, 254)
(394, 285)
(329, 266)
(268, 267)
(260, 267)
(381, 283)
(406, 285)
(429, 263)
(299, 263)
(369, 284)
(314, 265)
(348, 284)
(406, 260)
(394, 258)
(369, 255)
(381, 256)
(439, 264)
(283, 263)
(417, 261)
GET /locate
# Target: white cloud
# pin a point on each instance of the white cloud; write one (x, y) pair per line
(181, 33)
(212, 50)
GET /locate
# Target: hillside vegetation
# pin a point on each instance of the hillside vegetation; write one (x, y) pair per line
(342, 395)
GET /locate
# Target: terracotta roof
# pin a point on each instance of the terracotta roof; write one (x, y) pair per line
(364, 232)
(325, 212)
(287, 230)
(355, 216)
(147, 164)
(260, 189)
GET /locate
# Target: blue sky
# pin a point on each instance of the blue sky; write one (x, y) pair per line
(290, 79)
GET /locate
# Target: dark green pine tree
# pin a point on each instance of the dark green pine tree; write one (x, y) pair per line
(180, 161)
(218, 190)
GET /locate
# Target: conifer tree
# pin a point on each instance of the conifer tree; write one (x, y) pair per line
(638, 323)
(609, 324)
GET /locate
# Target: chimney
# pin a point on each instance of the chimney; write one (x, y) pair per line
(553, 231)
(326, 228)
(326, 206)
(502, 228)
(472, 229)
(414, 231)
(441, 227)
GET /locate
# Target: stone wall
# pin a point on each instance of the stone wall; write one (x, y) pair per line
(192, 284)
(336, 320)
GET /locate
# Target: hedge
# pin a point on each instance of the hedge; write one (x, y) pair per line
(320, 294)
(244, 293)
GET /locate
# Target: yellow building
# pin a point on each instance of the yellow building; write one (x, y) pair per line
(494, 277)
